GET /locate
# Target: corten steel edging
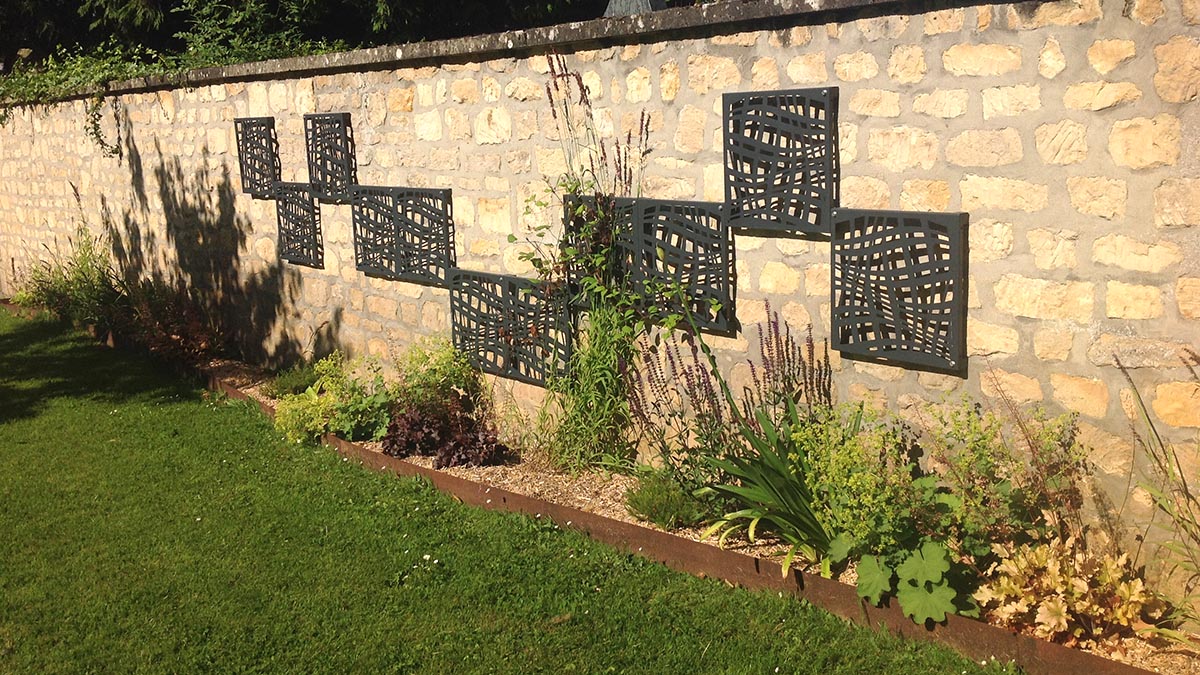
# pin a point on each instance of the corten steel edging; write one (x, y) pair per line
(975, 639)
(593, 33)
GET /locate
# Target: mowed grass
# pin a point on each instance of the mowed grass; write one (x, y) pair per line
(144, 528)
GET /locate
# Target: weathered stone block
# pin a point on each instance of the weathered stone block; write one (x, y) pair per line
(1017, 387)
(764, 74)
(1132, 301)
(1098, 196)
(865, 192)
(808, 69)
(925, 195)
(1177, 202)
(981, 60)
(689, 135)
(944, 103)
(428, 125)
(1106, 55)
(989, 339)
(901, 148)
(1051, 60)
(1052, 344)
(985, 148)
(1052, 248)
(637, 85)
(706, 72)
(1009, 101)
(1187, 296)
(668, 81)
(778, 278)
(944, 21)
(1178, 403)
(855, 66)
(984, 192)
(1143, 143)
(1100, 95)
(1063, 142)
(906, 65)
(1135, 352)
(1083, 395)
(1059, 13)
(1045, 299)
(990, 240)
(493, 126)
(875, 103)
(1125, 252)
(1178, 76)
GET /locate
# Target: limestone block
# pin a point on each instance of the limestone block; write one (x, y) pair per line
(882, 27)
(981, 60)
(1146, 12)
(808, 69)
(1052, 248)
(706, 72)
(906, 65)
(990, 240)
(692, 128)
(494, 215)
(791, 247)
(847, 142)
(664, 187)
(875, 103)
(1098, 196)
(382, 307)
(1178, 76)
(1100, 95)
(258, 104)
(1132, 301)
(1063, 142)
(1016, 387)
(925, 195)
(989, 339)
(1187, 296)
(985, 148)
(493, 126)
(1143, 143)
(668, 81)
(764, 74)
(903, 147)
(1191, 11)
(1009, 101)
(400, 99)
(1052, 344)
(778, 278)
(817, 280)
(944, 21)
(944, 103)
(1051, 60)
(1045, 299)
(1177, 202)
(1106, 55)
(865, 192)
(465, 90)
(983, 192)
(855, 66)
(637, 85)
(525, 89)
(1178, 403)
(428, 125)
(1125, 252)
(1135, 352)
(1058, 13)
(1083, 395)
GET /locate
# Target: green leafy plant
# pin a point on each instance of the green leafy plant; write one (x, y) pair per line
(658, 498)
(357, 408)
(922, 583)
(291, 381)
(80, 286)
(432, 370)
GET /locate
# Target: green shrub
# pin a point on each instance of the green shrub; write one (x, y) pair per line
(293, 380)
(80, 287)
(339, 402)
(658, 498)
(431, 371)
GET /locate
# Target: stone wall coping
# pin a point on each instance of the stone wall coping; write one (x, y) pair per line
(664, 24)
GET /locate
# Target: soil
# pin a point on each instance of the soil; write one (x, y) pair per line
(604, 494)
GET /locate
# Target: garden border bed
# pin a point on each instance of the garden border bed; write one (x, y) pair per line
(975, 639)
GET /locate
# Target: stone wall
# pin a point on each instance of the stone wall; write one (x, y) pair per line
(1068, 130)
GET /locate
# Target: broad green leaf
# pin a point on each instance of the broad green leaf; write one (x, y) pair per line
(928, 565)
(874, 579)
(922, 604)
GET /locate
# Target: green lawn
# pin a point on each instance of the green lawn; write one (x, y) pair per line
(145, 529)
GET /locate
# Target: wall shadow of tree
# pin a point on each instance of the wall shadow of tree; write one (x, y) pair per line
(206, 243)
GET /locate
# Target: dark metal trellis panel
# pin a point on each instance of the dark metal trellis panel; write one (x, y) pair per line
(509, 326)
(258, 155)
(403, 233)
(781, 161)
(680, 256)
(332, 166)
(899, 284)
(579, 214)
(299, 217)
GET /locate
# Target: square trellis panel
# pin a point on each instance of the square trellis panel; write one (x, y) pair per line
(403, 233)
(258, 155)
(509, 326)
(685, 247)
(899, 284)
(332, 167)
(579, 233)
(299, 217)
(781, 161)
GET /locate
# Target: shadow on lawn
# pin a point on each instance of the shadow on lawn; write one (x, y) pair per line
(42, 359)
(207, 256)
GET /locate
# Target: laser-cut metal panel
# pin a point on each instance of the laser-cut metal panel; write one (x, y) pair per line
(332, 167)
(579, 230)
(509, 326)
(899, 284)
(781, 161)
(403, 233)
(299, 218)
(681, 257)
(258, 155)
